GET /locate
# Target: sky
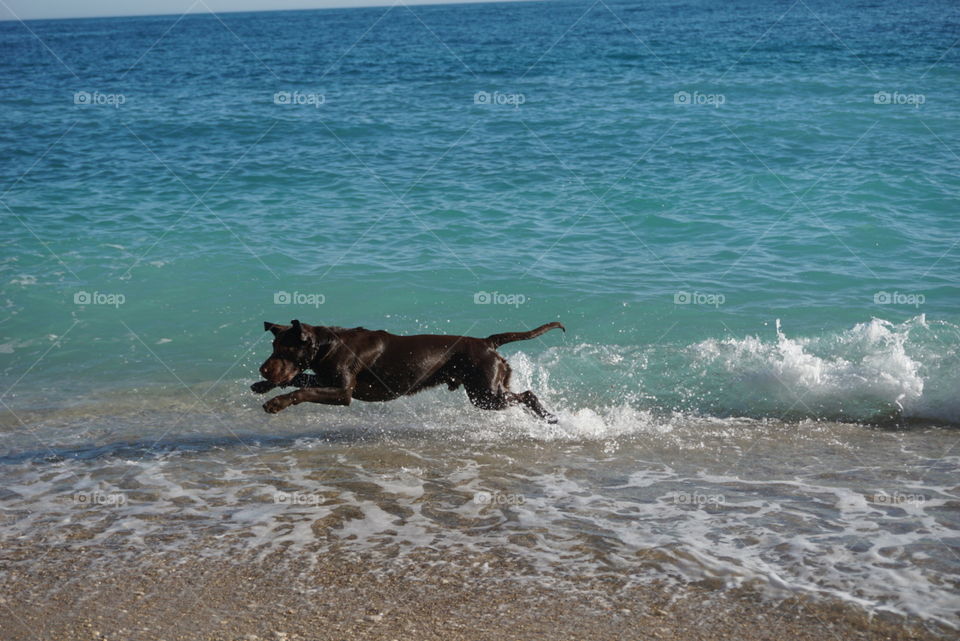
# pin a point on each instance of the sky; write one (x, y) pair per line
(40, 9)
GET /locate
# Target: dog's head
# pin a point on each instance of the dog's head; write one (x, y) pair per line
(294, 346)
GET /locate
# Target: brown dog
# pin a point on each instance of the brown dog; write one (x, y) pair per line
(371, 365)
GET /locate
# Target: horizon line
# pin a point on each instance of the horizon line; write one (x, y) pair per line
(208, 11)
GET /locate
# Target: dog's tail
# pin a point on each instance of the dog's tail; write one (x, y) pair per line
(496, 340)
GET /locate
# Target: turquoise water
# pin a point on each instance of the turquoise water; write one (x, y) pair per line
(745, 215)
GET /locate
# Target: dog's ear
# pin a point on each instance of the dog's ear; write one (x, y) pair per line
(272, 327)
(297, 327)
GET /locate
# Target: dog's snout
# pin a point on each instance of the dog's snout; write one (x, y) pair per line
(270, 372)
(278, 371)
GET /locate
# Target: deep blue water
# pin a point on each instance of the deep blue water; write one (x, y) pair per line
(782, 186)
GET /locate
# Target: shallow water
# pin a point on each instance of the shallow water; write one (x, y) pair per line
(823, 508)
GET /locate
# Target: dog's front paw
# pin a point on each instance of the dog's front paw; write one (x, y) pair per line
(276, 404)
(262, 387)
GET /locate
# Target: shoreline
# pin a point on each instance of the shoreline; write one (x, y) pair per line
(81, 594)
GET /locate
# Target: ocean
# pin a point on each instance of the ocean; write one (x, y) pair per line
(745, 214)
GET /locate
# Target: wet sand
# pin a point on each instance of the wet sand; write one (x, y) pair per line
(189, 595)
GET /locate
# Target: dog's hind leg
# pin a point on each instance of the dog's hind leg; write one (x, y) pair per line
(487, 400)
(492, 392)
(531, 402)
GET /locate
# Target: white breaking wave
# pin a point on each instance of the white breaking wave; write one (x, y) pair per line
(872, 369)
(876, 371)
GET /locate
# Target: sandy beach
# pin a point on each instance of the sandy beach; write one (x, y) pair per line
(57, 593)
